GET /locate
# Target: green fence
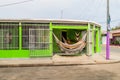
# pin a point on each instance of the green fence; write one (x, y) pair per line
(25, 40)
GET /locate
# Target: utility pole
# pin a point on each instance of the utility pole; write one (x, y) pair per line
(108, 32)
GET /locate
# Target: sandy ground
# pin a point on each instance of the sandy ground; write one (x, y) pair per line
(78, 72)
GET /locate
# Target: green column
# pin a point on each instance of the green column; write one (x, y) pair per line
(20, 36)
(97, 41)
(51, 39)
(100, 43)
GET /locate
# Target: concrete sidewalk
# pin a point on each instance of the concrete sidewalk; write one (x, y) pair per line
(59, 60)
(95, 59)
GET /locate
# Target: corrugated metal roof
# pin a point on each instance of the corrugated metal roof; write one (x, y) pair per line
(51, 20)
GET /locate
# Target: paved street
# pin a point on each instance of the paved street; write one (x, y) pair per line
(113, 50)
(76, 72)
(79, 72)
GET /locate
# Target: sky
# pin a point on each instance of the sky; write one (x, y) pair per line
(91, 10)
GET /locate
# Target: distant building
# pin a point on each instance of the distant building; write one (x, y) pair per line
(114, 37)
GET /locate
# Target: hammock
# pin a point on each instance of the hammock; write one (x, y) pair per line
(77, 50)
(71, 48)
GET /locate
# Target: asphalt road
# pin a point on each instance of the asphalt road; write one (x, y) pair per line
(113, 50)
(78, 72)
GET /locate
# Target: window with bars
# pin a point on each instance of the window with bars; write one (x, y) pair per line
(35, 37)
(9, 36)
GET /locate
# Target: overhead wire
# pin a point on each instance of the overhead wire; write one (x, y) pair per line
(96, 9)
(15, 3)
(84, 9)
(93, 9)
(116, 20)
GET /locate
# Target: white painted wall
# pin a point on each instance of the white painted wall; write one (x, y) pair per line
(103, 39)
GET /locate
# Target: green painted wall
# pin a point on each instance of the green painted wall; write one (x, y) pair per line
(53, 48)
(14, 53)
(98, 42)
(57, 32)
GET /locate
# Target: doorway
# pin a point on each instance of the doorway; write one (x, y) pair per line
(64, 35)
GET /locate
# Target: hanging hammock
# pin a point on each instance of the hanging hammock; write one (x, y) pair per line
(71, 48)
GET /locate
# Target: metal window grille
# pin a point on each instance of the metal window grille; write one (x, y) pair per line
(35, 36)
(9, 36)
(38, 38)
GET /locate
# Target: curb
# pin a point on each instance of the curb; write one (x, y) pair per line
(97, 62)
(60, 61)
(107, 62)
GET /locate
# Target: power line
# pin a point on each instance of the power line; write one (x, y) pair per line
(15, 3)
(115, 20)
(96, 5)
(94, 8)
(111, 21)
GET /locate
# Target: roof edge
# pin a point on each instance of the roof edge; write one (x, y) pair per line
(51, 20)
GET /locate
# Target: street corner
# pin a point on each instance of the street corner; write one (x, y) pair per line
(101, 59)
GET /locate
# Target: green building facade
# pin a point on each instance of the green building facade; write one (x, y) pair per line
(34, 38)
